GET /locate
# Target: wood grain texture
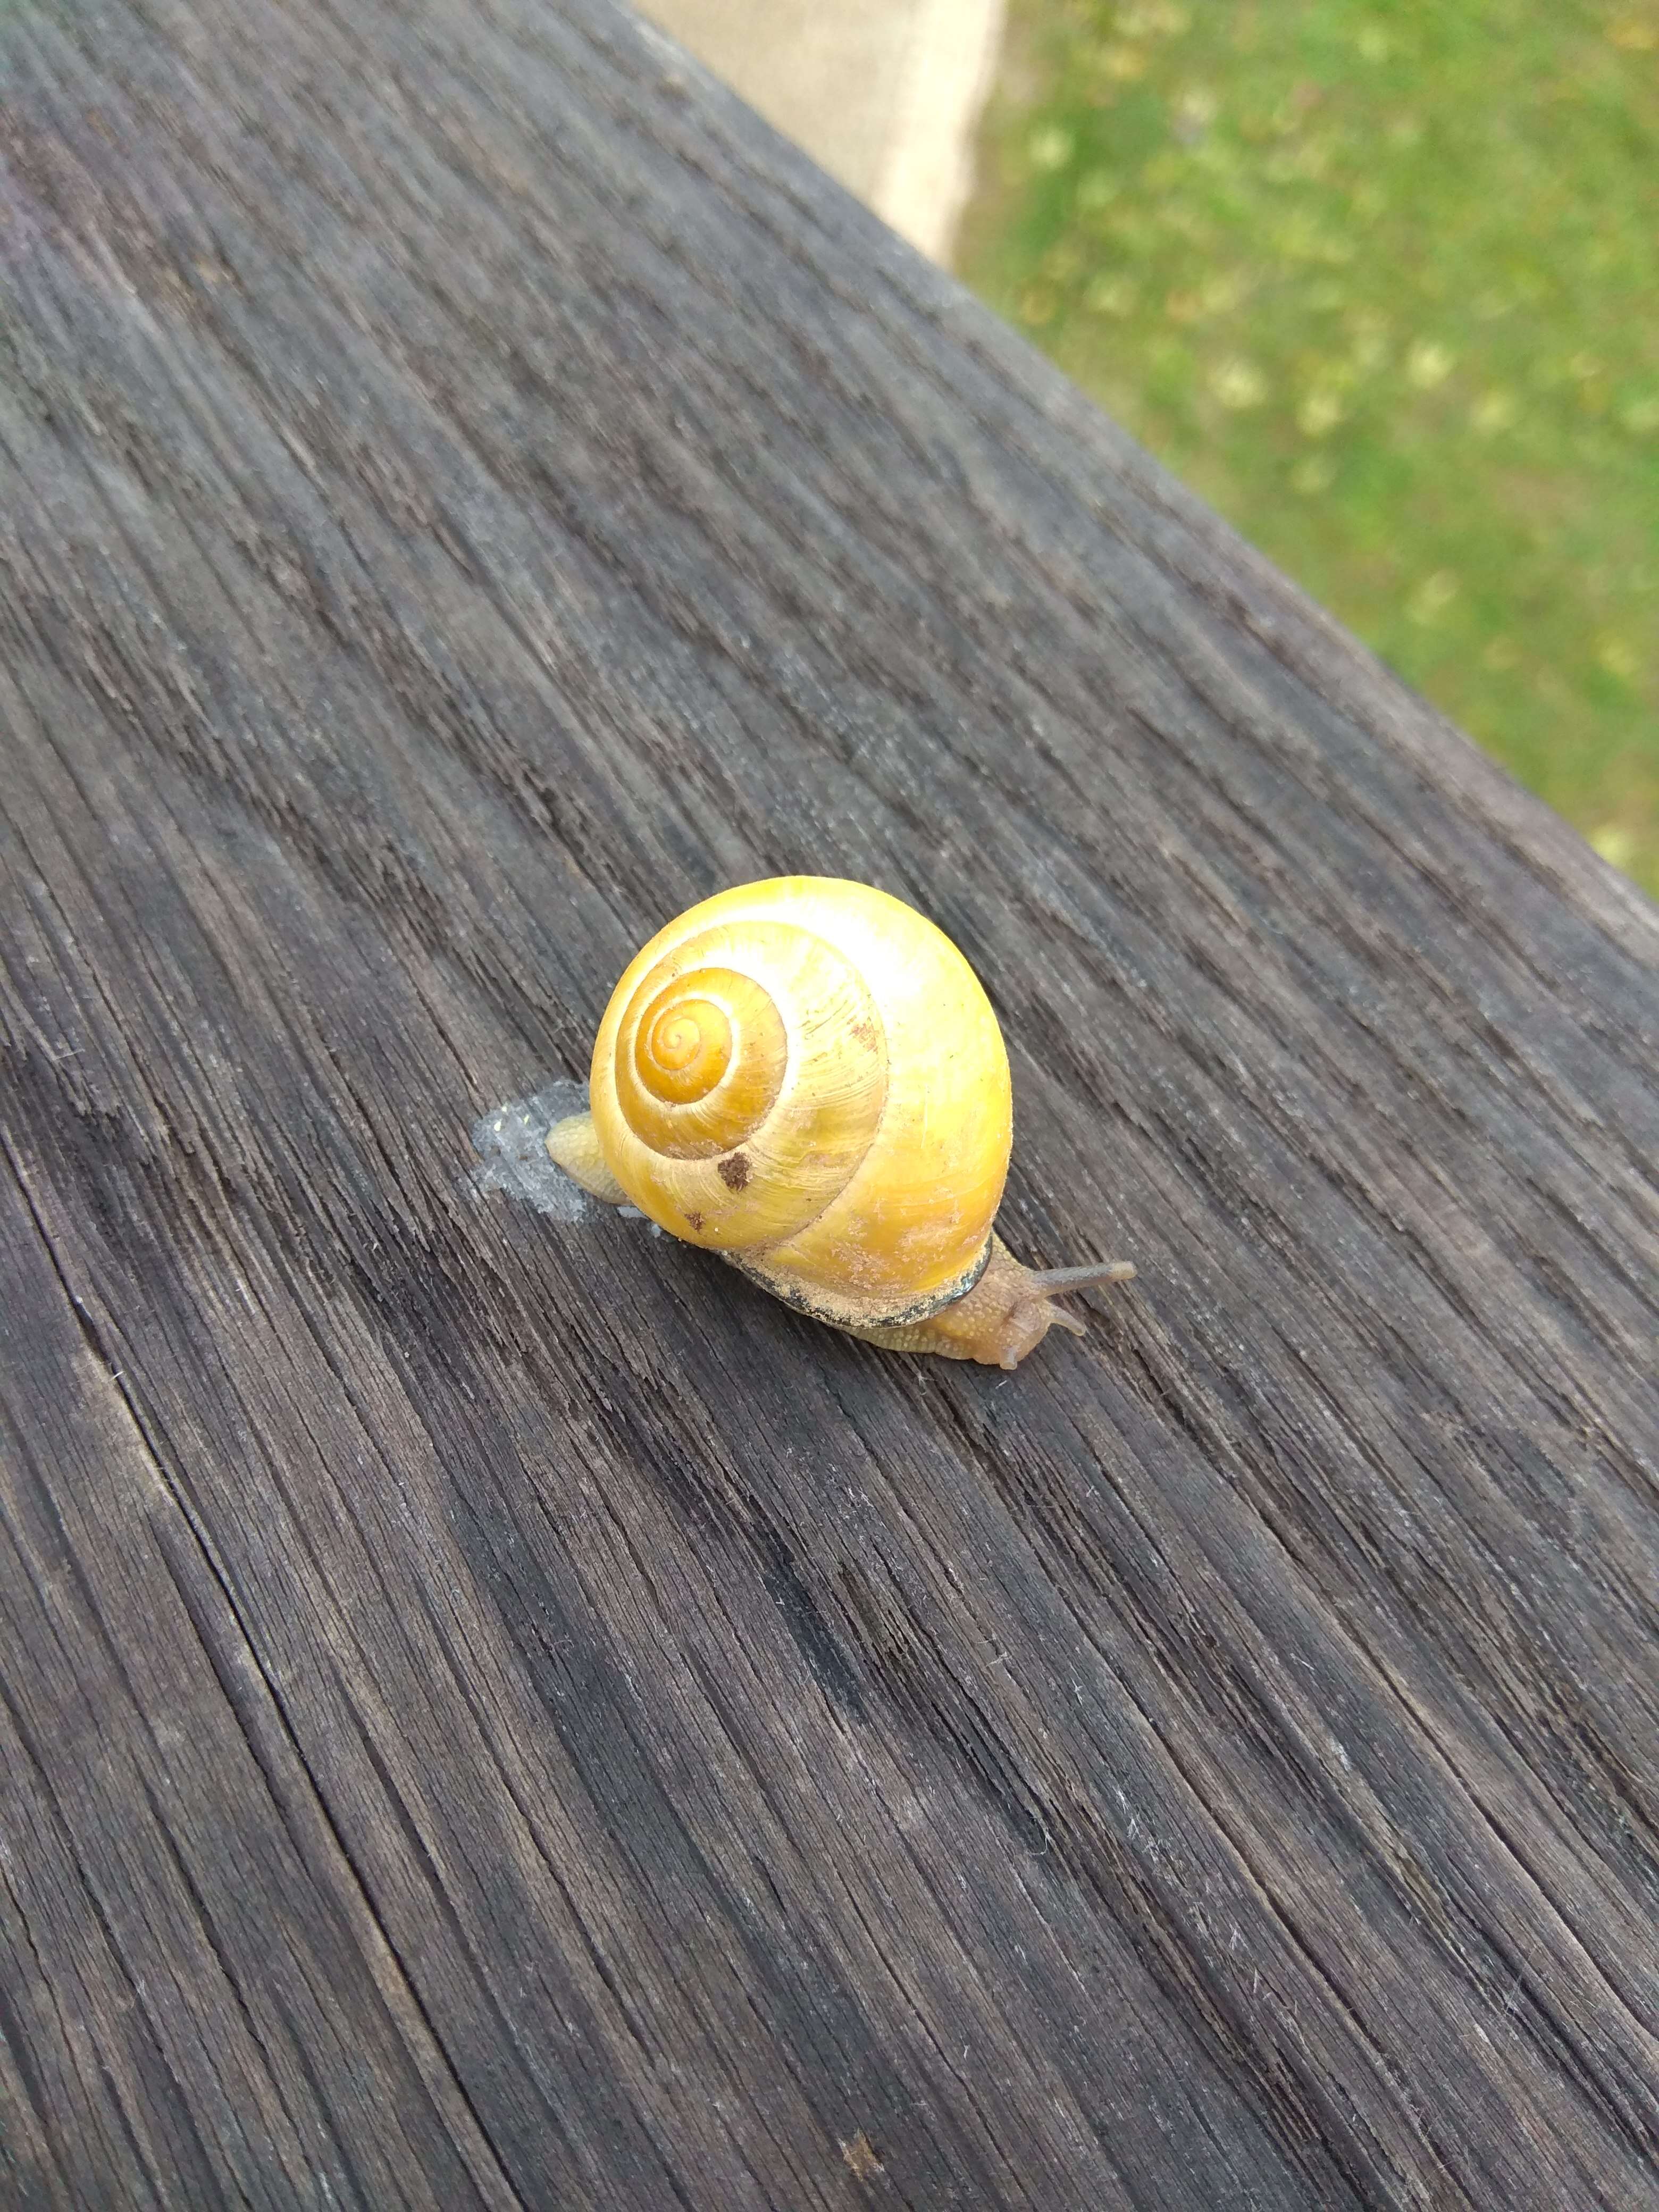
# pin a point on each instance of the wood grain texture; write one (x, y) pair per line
(492, 1709)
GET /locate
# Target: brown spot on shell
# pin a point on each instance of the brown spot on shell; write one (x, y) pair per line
(734, 1171)
(694, 1222)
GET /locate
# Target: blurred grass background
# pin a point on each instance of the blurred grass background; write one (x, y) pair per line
(1382, 281)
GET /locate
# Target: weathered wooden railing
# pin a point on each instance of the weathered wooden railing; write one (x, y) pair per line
(496, 1710)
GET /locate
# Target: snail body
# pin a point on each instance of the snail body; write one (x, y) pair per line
(805, 1076)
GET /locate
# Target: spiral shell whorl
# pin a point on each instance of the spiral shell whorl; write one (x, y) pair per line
(747, 1074)
(805, 1075)
(699, 1061)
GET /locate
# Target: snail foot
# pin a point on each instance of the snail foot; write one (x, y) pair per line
(573, 1144)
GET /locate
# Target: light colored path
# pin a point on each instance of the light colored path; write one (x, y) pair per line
(883, 93)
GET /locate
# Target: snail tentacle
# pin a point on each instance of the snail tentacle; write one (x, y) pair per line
(1008, 1313)
(1054, 1279)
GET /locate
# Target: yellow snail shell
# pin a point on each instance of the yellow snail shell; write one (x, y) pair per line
(805, 1076)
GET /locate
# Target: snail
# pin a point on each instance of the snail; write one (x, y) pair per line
(805, 1076)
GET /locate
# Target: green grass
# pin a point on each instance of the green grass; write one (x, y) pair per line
(1380, 281)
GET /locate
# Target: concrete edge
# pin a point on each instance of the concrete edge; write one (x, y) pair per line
(949, 61)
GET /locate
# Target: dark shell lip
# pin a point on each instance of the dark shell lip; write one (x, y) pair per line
(848, 1316)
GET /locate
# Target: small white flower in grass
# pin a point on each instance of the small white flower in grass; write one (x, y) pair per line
(1617, 656)
(1614, 843)
(1431, 598)
(1429, 363)
(1239, 384)
(1110, 296)
(1050, 148)
(1493, 412)
(1320, 412)
(1194, 111)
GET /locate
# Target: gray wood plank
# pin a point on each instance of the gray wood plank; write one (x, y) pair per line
(496, 1710)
